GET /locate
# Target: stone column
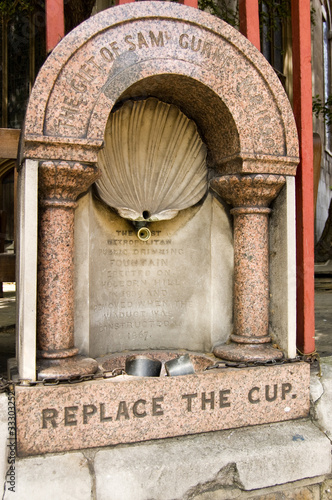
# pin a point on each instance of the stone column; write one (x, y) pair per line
(59, 185)
(250, 196)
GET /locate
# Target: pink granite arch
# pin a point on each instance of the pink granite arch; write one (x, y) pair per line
(219, 79)
(134, 45)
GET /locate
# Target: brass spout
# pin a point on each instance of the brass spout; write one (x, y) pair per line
(144, 233)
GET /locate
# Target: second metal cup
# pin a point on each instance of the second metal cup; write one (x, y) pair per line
(179, 366)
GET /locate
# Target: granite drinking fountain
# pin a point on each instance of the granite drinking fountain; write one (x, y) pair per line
(157, 220)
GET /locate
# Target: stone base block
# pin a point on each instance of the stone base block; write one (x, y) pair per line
(127, 409)
(213, 466)
(52, 477)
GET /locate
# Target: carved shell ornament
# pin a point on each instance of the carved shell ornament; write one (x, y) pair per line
(153, 163)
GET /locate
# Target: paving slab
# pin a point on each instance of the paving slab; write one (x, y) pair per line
(52, 477)
(285, 452)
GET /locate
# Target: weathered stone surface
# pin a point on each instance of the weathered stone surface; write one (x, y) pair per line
(128, 409)
(283, 269)
(253, 458)
(52, 477)
(323, 405)
(171, 292)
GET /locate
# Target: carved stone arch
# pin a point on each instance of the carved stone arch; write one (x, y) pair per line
(135, 46)
(216, 77)
(213, 119)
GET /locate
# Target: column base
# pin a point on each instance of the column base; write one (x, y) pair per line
(244, 339)
(58, 353)
(65, 368)
(245, 352)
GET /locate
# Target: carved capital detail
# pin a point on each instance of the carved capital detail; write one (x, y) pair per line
(60, 183)
(257, 190)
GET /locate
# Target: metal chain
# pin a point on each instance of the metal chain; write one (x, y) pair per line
(250, 364)
(6, 385)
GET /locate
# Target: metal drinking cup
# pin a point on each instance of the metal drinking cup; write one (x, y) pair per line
(140, 365)
(179, 366)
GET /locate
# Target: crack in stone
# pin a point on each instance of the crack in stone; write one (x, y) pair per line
(5, 485)
(313, 407)
(314, 416)
(314, 403)
(227, 476)
(4, 489)
(89, 455)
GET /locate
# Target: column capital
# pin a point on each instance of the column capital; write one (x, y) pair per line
(251, 190)
(61, 182)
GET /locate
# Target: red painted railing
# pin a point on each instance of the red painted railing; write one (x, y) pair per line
(55, 26)
(302, 103)
(249, 21)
